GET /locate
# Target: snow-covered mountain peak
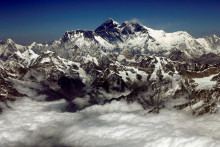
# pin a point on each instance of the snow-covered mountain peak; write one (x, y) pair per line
(10, 41)
(73, 35)
(25, 58)
(214, 36)
(113, 21)
(109, 25)
(131, 27)
(34, 43)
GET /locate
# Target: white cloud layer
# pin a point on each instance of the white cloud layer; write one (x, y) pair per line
(34, 123)
(135, 20)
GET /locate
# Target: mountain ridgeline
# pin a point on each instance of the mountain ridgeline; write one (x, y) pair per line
(123, 62)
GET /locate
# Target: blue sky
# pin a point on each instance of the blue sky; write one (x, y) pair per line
(26, 21)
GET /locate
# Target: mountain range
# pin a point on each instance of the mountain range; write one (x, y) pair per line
(127, 61)
(114, 37)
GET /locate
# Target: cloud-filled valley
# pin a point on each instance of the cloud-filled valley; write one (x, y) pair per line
(34, 123)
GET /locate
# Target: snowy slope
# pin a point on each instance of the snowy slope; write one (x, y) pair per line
(205, 82)
(177, 40)
(9, 47)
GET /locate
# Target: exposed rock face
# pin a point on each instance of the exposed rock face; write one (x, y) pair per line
(7, 91)
(8, 48)
(209, 58)
(71, 88)
(200, 102)
(178, 55)
(109, 30)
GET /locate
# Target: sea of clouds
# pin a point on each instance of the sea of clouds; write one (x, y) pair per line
(38, 123)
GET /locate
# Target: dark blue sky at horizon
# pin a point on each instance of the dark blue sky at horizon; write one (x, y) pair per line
(26, 21)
